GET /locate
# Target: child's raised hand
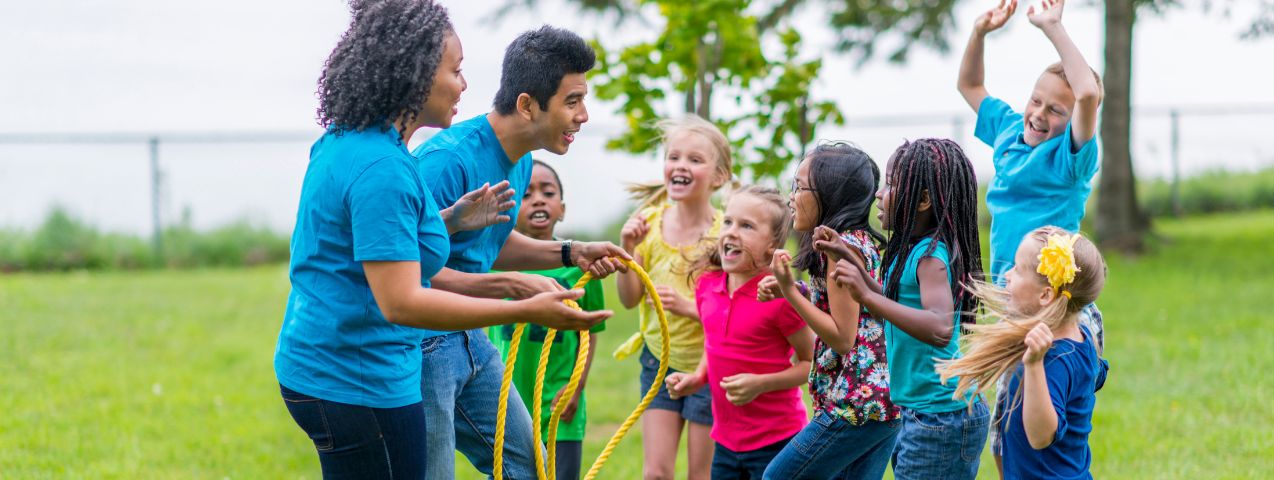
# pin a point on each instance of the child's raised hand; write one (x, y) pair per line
(1037, 341)
(995, 18)
(828, 242)
(768, 289)
(743, 388)
(634, 231)
(682, 384)
(1049, 13)
(781, 267)
(673, 302)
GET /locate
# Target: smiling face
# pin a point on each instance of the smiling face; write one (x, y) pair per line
(803, 201)
(555, 128)
(1028, 290)
(747, 239)
(1048, 111)
(542, 205)
(448, 83)
(690, 167)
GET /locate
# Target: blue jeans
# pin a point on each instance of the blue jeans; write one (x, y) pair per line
(938, 446)
(359, 442)
(461, 389)
(831, 447)
(731, 465)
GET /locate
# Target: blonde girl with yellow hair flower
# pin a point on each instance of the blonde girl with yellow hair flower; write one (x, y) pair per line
(1051, 361)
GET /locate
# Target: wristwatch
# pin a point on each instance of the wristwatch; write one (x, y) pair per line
(566, 254)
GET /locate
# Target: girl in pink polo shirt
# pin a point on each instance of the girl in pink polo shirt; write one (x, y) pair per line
(748, 344)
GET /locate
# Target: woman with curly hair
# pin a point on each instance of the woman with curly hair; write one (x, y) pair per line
(369, 236)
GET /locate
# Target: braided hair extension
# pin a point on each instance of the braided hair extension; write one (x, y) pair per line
(383, 67)
(938, 168)
(844, 180)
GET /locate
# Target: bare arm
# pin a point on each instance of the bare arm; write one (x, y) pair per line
(513, 285)
(743, 388)
(396, 288)
(1039, 419)
(521, 252)
(1078, 73)
(632, 234)
(972, 70)
(839, 330)
(932, 324)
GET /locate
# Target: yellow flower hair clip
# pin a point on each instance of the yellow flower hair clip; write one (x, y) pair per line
(1057, 261)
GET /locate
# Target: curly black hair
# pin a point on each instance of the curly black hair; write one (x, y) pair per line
(383, 67)
(535, 63)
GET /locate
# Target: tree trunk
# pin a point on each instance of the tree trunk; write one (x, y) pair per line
(1119, 221)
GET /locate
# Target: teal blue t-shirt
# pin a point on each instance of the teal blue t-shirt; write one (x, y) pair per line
(461, 159)
(913, 379)
(362, 200)
(1032, 187)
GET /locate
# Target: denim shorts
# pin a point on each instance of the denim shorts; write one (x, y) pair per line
(696, 408)
(938, 446)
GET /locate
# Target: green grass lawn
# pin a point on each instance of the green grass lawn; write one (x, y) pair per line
(168, 374)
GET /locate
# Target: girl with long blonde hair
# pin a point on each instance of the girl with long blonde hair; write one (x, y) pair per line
(1050, 359)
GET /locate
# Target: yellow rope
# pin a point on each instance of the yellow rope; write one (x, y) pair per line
(580, 359)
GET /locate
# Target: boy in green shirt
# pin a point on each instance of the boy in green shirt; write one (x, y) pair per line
(542, 208)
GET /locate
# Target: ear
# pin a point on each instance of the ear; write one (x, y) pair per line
(527, 106)
(1047, 295)
(925, 202)
(563, 216)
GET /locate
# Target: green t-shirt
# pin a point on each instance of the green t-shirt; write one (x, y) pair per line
(561, 358)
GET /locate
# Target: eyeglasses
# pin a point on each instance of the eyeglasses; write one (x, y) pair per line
(797, 188)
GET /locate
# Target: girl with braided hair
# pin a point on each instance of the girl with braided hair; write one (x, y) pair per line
(929, 203)
(1040, 344)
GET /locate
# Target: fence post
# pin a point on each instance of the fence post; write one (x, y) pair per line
(1175, 115)
(157, 228)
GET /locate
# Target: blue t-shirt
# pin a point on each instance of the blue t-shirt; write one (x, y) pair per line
(913, 378)
(1032, 187)
(461, 159)
(1071, 368)
(362, 200)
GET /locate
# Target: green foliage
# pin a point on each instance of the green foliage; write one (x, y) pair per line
(713, 50)
(63, 242)
(708, 51)
(1215, 191)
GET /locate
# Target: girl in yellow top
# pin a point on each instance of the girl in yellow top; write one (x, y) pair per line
(675, 221)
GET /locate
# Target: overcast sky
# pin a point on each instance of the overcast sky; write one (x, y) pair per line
(239, 65)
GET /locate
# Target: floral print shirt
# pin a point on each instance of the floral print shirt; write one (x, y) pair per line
(854, 387)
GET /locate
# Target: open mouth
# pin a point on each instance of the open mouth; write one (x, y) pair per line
(1037, 129)
(680, 180)
(569, 136)
(730, 251)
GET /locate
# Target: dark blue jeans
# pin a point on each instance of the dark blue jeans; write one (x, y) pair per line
(358, 442)
(750, 465)
(831, 447)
